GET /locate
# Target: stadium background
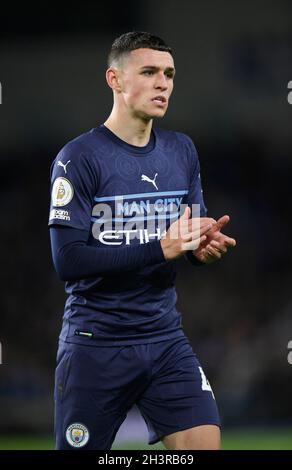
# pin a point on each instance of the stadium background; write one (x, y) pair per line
(234, 62)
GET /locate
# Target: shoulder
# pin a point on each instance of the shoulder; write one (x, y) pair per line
(178, 138)
(81, 147)
(186, 141)
(75, 161)
(180, 144)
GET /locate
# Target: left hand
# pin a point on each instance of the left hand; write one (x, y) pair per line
(216, 243)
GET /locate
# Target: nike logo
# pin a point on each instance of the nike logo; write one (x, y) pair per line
(146, 178)
(64, 166)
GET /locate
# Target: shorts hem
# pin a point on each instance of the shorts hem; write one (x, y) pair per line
(176, 335)
(183, 428)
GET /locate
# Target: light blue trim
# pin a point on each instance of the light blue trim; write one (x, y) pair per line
(133, 196)
(127, 219)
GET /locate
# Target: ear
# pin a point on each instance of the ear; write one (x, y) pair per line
(113, 79)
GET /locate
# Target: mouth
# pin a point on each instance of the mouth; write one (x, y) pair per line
(159, 100)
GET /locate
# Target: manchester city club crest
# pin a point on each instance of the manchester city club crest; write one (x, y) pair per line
(77, 435)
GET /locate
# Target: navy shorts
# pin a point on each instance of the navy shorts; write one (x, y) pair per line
(96, 386)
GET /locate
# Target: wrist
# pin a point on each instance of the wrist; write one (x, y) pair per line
(164, 248)
(194, 259)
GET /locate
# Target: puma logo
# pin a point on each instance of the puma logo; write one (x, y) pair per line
(64, 166)
(146, 178)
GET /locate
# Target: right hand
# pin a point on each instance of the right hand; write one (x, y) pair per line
(185, 234)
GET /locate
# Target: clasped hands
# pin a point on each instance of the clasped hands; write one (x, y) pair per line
(214, 244)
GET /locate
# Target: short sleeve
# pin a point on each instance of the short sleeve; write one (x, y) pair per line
(73, 187)
(195, 195)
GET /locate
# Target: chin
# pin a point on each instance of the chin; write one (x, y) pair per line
(160, 114)
(156, 115)
(153, 114)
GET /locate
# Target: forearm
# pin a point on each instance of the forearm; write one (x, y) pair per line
(74, 259)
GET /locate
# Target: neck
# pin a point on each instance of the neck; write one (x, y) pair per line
(134, 131)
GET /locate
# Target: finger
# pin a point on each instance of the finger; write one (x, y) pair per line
(230, 242)
(205, 229)
(204, 220)
(213, 252)
(222, 221)
(218, 246)
(207, 219)
(208, 257)
(224, 240)
(197, 222)
(195, 234)
(193, 244)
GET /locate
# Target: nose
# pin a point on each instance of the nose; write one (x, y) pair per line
(161, 81)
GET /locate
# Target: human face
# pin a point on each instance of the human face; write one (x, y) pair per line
(147, 82)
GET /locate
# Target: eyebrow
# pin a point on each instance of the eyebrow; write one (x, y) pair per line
(154, 68)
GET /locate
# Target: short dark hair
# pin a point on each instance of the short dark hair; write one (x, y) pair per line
(135, 40)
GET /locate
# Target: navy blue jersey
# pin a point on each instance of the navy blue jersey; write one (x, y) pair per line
(123, 196)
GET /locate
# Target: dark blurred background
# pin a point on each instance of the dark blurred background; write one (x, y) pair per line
(234, 62)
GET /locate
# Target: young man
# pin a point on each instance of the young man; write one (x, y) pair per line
(122, 341)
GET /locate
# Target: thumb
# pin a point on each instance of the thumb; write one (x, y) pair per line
(222, 222)
(186, 214)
